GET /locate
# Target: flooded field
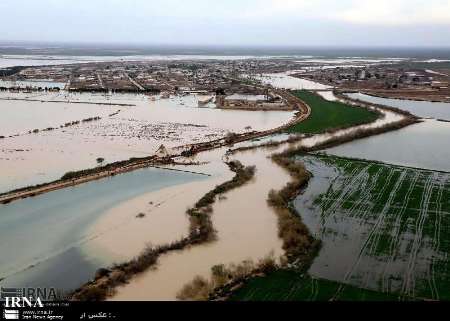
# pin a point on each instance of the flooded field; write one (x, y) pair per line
(121, 133)
(91, 234)
(31, 84)
(56, 227)
(383, 227)
(19, 117)
(423, 145)
(424, 109)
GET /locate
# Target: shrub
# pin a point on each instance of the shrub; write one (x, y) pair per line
(297, 240)
(69, 175)
(201, 289)
(197, 290)
(92, 293)
(101, 273)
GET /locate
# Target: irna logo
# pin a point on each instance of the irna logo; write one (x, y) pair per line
(23, 302)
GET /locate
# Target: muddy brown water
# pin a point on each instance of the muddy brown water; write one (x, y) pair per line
(246, 229)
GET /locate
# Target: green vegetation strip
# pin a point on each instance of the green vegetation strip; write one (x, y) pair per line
(330, 115)
(286, 285)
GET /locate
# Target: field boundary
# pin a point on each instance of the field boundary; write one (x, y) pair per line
(324, 154)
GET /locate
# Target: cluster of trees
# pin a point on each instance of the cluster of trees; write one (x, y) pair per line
(5, 72)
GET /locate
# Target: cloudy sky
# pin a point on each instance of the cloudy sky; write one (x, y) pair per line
(230, 22)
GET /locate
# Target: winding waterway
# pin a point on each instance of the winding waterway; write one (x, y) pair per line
(80, 229)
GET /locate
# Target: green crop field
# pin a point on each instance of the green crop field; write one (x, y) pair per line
(285, 285)
(384, 228)
(328, 115)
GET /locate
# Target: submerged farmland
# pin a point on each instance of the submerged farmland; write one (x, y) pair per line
(383, 227)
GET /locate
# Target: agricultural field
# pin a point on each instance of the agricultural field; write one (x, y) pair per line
(285, 285)
(384, 229)
(328, 115)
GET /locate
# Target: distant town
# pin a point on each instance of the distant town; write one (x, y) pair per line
(397, 79)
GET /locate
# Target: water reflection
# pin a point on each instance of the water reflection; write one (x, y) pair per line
(423, 145)
(383, 227)
(424, 109)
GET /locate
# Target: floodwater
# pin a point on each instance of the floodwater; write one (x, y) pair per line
(425, 109)
(104, 228)
(122, 133)
(45, 60)
(246, 97)
(245, 229)
(165, 209)
(328, 95)
(234, 221)
(114, 232)
(423, 145)
(382, 227)
(42, 239)
(348, 60)
(19, 117)
(284, 80)
(32, 84)
(19, 60)
(70, 237)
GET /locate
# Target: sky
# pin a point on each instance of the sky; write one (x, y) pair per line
(229, 22)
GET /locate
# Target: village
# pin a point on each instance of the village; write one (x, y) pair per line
(216, 81)
(229, 78)
(387, 81)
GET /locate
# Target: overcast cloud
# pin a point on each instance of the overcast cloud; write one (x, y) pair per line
(225, 22)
